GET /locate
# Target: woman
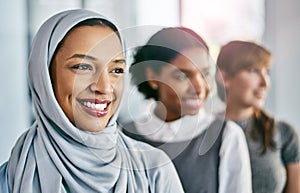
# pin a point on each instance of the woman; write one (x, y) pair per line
(76, 79)
(273, 144)
(173, 70)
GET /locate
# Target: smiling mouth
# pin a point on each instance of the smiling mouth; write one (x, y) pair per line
(192, 103)
(95, 107)
(99, 107)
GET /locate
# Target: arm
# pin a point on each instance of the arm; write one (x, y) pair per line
(234, 169)
(291, 156)
(163, 177)
(293, 178)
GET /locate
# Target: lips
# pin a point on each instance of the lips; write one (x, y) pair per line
(260, 95)
(95, 107)
(192, 103)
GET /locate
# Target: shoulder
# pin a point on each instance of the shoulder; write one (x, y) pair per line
(3, 170)
(287, 133)
(233, 130)
(159, 167)
(285, 128)
(3, 178)
(147, 153)
(233, 140)
(289, 142)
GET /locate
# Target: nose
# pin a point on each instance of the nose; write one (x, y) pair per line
(198, 83)
(102, 84)
(265, 79)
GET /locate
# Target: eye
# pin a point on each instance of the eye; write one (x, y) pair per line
(118, 70)
(83, 67)
(253, 70)
(180, 76)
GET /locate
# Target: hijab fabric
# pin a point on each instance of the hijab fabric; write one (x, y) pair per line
(55, 156)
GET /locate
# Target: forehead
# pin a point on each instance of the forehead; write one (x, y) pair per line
(95, 40)
(260, 65)
(193, 59)
(247, 61)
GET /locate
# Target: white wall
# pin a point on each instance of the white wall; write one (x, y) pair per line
(14, 108)
(283, 38)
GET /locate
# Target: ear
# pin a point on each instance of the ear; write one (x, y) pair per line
(223, 79)
(152, 78)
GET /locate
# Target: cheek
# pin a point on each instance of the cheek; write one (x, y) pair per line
(171, 91)
(248, 85)
(118, 87)
(75, 87)
(64, 90)
(240, 83)
(174, 86)
(245, 90)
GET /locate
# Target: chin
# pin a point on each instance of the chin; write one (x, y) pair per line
(258, 105)
(191, 113)
(91, 126)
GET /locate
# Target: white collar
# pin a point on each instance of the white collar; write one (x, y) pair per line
(185, 128)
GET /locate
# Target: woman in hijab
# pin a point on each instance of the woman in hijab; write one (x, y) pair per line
(76, 72)
(173, 70)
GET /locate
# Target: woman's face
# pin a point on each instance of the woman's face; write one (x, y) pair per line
(182, 85)
(247, 88)
(87, 74)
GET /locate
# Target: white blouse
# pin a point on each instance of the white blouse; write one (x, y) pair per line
(234, 168)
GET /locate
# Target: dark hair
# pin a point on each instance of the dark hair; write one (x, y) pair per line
(162, 48)
(239, 55)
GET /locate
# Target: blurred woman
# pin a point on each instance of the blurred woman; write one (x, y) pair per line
(273, 144)
(173, 70)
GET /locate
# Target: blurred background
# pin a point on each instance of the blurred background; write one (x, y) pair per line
(274, 23)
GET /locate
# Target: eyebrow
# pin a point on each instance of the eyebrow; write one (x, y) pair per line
(119, 61)
(188, 71)
(83, 56)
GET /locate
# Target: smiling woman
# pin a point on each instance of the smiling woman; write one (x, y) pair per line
(173, 69)
(76, 72)
(90, 62)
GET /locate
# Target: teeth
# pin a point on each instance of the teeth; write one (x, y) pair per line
(99, 107)
(192, 102)
(88, 104)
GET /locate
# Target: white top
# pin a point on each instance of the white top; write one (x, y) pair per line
(234, 169)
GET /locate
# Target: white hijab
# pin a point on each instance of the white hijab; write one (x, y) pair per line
(55, 156)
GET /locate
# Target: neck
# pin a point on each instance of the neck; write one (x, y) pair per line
(161, 112)
(236, 114)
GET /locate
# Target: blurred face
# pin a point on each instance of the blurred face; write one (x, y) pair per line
(87, 74)
(247, 88)
(182, 85)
